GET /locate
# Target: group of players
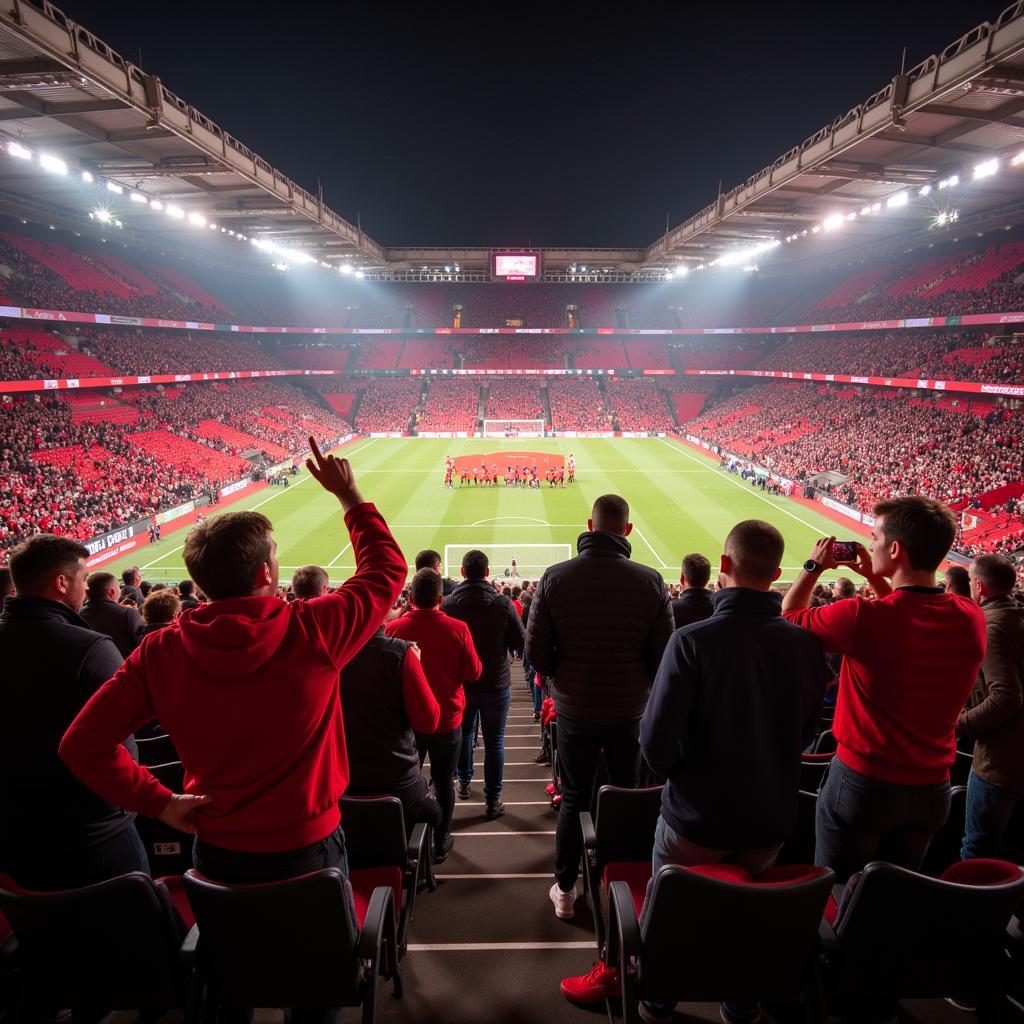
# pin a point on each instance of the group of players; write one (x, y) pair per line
(515, 476)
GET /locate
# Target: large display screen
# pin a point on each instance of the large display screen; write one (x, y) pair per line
(516, 266)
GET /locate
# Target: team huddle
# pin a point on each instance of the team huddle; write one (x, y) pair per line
(515, 476)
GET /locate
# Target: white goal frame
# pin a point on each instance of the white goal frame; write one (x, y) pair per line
(531, 559)
(517, 428)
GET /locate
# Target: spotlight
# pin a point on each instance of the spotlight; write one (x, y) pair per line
(896, 201)
(87, 177)
(112, 186)
(986, 169)
(155, 204)
(924, 190)
(951, 182)
(103, 216)
(833, 222)
(197, 219)
(18, 150)
(176, 212)
(138, 197)
(52, 163)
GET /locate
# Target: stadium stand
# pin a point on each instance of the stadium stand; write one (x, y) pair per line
(452, 405)
(514, 398)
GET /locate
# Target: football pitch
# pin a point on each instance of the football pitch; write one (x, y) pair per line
(680, 502)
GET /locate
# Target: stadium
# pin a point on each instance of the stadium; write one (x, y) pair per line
(831, 347)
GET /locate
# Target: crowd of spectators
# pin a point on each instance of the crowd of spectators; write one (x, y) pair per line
(884, 444)
(577, 404)
(514, 398)
(387, 404)
(451, 404)
(637, 405)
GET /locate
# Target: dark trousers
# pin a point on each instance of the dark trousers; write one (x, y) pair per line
(72, 868)
(492, 708)
(579, 749)
(236, 867)
(989, 810)
(860, 819)
(443, 749)
(419, 804)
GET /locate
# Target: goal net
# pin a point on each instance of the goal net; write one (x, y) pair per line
(530, 559)
(513, 428)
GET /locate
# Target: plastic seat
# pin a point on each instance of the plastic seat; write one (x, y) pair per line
(379, 853)
(713, 933)
(169, 851)
(898, 934)
(825, 743)
(119, 944)
(618, 840)
(156, 750)
(291, 944)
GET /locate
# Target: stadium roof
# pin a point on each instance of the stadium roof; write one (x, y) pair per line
(878, 174)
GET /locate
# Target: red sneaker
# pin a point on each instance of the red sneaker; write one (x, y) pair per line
(600, 982)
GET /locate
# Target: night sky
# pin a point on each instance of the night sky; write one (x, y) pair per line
(515, 124)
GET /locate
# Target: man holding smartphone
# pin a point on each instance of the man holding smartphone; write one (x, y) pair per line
(910, 659)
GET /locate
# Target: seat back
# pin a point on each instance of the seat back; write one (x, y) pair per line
(290, 943)
(112, 944)
(625, 823)
(374, 831)
(169, 851)
(944, 849)
(825, 743)
(154, 750)
(812, 770)
(708, 938)
(904, 935)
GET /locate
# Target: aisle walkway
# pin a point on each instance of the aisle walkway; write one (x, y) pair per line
(486, 946)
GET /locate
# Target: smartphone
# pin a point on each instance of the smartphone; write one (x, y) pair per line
(844, 551)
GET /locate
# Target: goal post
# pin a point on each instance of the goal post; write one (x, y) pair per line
(513, 428)
(531, 559)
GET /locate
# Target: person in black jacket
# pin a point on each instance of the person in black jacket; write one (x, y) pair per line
(497, 632)
(102, 612)
(56, 833)
(736, 699)
(694, 603)
(131, 585)
(187, 592)
(598, 626)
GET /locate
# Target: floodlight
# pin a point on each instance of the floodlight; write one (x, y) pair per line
(87, 177)
(865, 210)
(1018, 159)
(197, 219)
(875, 207)
(833, 222)
(583, 269)
(176, 212)
(924, 190)
(52, 163)
(112, 186)
(852, 215)
(155, 204)
(346, 268)
(815, 229)
(103, 216)
(950, 182)
(18, 150)
(138, 197)
(213, 227)
(986, 169)
(896, 201)
(360, 275)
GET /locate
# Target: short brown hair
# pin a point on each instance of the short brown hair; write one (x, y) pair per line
(37, 560)
(696, 570)
(610, 513)
(309, 581)
(996, 572)
(924, 526)
(97, 585)
(161, 606)
(755, 549)
(223, 555)
(426, 588)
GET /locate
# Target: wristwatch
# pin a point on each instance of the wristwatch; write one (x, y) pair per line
(811, 566)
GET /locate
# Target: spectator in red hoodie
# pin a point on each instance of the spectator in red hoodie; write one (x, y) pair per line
(449, 661)
(247, 687)
(910, 659)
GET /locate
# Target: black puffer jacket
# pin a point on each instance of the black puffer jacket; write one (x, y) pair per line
(598, 626)
(494, 626)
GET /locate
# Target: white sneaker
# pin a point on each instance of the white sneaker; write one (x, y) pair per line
(565, 902)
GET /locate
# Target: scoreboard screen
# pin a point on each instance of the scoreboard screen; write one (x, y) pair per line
(516, 266)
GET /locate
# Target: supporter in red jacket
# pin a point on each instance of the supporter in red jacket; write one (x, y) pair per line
(449, 661)
(910, 659)
(247, 688)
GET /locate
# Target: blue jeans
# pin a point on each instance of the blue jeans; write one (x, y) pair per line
(861, 819)
(492, 707)
(989, 809)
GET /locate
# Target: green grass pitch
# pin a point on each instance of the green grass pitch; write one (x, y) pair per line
(680, 502)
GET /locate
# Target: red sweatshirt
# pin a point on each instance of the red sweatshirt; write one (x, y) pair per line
(247, 688)
(449, 658)
(910, 662)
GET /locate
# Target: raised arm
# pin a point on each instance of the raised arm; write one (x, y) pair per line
(347, 618)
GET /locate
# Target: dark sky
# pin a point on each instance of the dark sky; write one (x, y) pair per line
(505, 123)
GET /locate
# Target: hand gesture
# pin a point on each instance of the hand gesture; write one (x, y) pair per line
(180, 812)
(334, 475)
(822, 553)
(863, 564)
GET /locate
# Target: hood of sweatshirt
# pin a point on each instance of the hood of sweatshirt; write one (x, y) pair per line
(235, 637)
